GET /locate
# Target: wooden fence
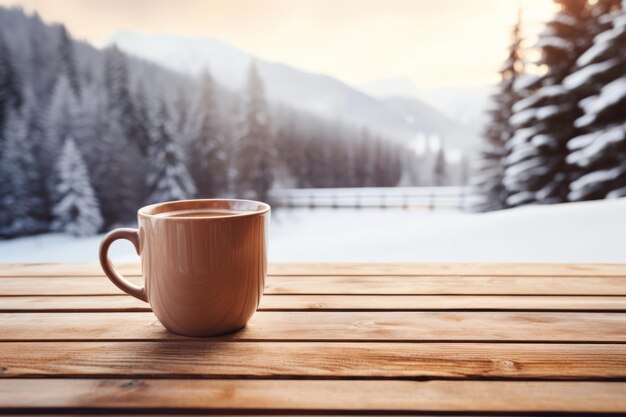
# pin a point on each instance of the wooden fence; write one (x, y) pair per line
(383, 197)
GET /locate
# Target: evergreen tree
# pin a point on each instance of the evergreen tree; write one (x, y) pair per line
(394, 165)
(21, 199)
(97, 139)
(68, 61)
(10, 86)
(168, 178)
(290, 147)
(143, 109)
(42, 67)
(362, 160)
(121, 106)
(181, 116)
(40, 209)
(601, 14)
(59, 124)
(440, 173)
(255, 153)
(60, 118)
(91, 123)
(338, 159)
(126, 139)
(536, 170)
(209, 149)
(76, 210)
(143, 120)
(490, 192)
(599, 152)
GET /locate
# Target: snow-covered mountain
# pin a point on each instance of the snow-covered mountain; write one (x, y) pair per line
(466, 105)
(319, 94)
(390, 87)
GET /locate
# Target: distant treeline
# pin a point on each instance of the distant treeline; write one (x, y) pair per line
(89, 136)
(558, 125)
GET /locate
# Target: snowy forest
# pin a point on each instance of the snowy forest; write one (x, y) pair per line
(558, 123)
(88, 136)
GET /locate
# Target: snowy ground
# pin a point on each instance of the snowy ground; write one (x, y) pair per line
(580, 232)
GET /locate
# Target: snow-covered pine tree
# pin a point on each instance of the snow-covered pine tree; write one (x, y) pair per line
(601, 14)
(76, 210)
(121, 104)
(144, 121)
(489, 192)
(67, 60)
(90, 123)
(126, 140)
(34, 119)
(143, 107)
(42, 66)
(536, 170)
(21, 197)
(59, 124)
(599, 152)
(61, 113)
(168, 178)
(10, 86)
(208, 150)
(181, 115)
(255, 147)
(97, 140)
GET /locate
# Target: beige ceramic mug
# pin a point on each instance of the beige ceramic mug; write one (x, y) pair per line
(204, 263)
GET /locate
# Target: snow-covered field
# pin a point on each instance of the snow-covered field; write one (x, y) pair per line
(578, 232)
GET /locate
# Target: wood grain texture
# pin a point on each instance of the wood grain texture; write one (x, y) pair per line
(360, 269)
(330, 339)
(272, 395)
(460, 285)
(61, 286)
(333, 326)
(328, 285)
(214, 359)
(271, 302)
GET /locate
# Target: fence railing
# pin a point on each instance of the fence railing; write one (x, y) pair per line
(383, 197)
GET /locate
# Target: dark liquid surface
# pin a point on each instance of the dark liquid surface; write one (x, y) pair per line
(194, 214)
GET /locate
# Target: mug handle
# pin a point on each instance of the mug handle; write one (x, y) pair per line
(109, 270)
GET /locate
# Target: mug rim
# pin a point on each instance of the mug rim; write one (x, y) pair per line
(265, 208)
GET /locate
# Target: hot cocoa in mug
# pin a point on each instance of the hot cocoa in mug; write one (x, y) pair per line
(204, 263)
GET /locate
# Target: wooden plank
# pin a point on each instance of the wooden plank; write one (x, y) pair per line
(441, 285)
(464, 269)
(314, 395)
(60, 286)
(429, 269)
(334, 326)
(214, 359)
(270, 302)
(380, 285)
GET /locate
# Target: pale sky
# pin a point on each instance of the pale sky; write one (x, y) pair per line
(432, 42)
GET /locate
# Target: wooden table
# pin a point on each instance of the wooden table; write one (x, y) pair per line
(328, 339)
